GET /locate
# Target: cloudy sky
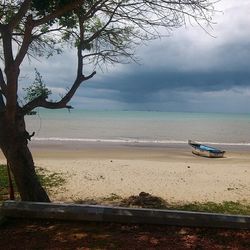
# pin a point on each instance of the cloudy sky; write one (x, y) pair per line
(188, 71)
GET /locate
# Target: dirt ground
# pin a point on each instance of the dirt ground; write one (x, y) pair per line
(42, 234)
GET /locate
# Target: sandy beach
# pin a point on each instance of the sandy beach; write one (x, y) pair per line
(96, 170)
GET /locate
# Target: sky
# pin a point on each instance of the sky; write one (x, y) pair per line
(189, 71)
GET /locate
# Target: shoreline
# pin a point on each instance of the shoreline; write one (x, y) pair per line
(95, 170)
(76, 145)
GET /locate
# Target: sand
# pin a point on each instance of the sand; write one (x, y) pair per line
(171, 172)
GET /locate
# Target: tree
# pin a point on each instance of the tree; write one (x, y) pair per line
(101, 31)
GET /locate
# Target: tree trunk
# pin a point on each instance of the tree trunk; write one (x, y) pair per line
(14, 144)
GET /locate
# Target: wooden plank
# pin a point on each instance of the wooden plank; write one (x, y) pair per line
(78, 212)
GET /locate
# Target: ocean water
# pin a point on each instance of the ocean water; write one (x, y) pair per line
(139, 127)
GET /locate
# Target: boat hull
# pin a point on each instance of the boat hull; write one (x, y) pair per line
(208, 154)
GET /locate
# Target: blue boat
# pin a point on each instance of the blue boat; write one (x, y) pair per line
(205, 151)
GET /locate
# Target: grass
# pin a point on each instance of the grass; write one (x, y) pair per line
(226, 207)
(49, 180)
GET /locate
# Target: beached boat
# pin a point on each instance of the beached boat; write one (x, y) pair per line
(205, 151)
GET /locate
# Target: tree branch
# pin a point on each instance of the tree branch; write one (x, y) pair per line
(2, 104)
(2, 83)
(73, 5)
(26, 41)
(63, 103)
(15, 20)
(91, 12)
(80, 47)
(7, 45)
(97, 33)
(58, 12)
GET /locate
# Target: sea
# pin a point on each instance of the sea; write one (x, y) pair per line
(139, 127)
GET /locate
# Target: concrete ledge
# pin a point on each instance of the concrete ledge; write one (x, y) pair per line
(76, 212)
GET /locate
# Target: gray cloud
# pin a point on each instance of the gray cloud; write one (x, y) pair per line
(144, 88)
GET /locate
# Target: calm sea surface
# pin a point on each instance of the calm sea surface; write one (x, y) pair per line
(140, 126)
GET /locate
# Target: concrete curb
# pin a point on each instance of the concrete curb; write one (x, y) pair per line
(76, 212)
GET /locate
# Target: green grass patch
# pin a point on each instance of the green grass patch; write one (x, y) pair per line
(49, 180)
(112, 197)
(225, 207)
(3, 177)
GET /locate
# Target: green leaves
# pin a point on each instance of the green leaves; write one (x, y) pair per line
(37, 89)
(45, 7)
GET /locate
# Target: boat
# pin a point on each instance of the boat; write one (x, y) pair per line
(205, 151)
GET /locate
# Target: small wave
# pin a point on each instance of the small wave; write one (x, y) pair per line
(139, 141)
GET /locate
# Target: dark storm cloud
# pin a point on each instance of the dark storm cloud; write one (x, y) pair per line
(141, 86)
